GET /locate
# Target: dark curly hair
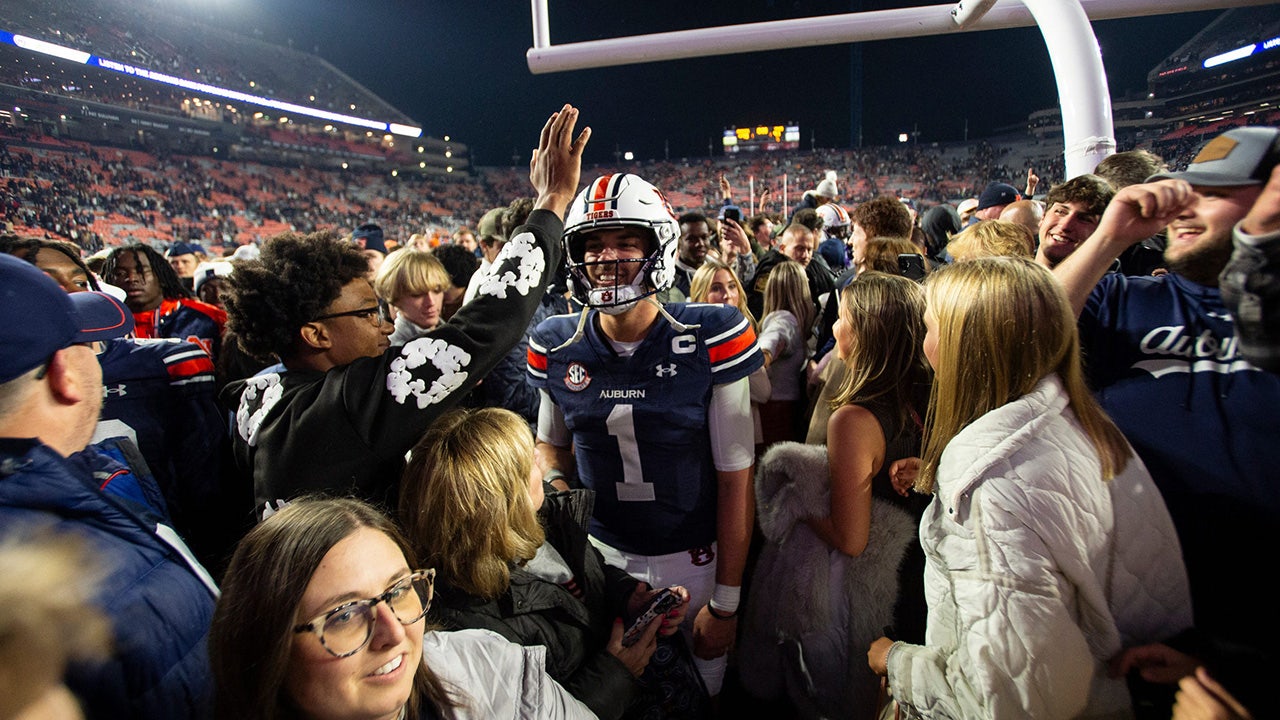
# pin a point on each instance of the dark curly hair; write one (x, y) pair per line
(294, 279)
(883, 216)
(459, 262)
(28, 248)
(171, 286)
(516, 214)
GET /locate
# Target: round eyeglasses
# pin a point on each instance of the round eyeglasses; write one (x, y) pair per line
(344, 630)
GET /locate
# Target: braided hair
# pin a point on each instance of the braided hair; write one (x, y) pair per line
(171, 286)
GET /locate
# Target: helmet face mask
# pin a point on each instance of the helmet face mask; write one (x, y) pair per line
(835, 221)
(614, 202)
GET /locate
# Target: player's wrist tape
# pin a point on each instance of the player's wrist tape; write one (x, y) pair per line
(719, 615)
(724, 601)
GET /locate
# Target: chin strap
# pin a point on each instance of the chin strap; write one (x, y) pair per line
(679, 326)
(577, 334)
(582, 323)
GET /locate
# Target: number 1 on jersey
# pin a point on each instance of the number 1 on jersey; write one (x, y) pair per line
(622, 426)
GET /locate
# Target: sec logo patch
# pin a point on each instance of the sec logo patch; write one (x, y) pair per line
(576, 377)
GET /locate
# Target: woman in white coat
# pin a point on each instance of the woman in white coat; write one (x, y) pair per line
(1048, 547)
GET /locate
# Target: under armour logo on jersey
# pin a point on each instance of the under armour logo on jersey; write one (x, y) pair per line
(117, 390)
(666, 370)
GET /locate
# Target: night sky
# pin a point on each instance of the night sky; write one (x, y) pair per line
(458, 68)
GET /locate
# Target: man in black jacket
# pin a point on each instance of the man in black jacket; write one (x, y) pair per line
(343, 408)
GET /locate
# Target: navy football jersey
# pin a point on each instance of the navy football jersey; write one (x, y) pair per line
(160, 394)
(639, 423)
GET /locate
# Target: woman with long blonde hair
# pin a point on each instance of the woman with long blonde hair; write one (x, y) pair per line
(877, 413)
(516, 560)
(836, 521)
(785, 330)
(1047, 543)
(716, 282)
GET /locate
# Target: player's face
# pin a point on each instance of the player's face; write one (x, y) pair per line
(724, 289)
(1064, 227)
(63, 270)
(839, 232)
(613, 256)
(695, 241)
(355, 336)
(1199, 239)
(211, 291)
(134, 275)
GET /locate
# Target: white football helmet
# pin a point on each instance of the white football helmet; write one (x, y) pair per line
(835, 220)
(614, 201)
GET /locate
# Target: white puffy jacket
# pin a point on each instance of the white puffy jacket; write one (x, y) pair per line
(1037, 572)
(501, 679)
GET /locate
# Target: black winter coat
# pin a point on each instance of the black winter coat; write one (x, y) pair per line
(534, 611)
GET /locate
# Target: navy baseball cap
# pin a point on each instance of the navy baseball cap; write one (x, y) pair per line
(38, 318)
(182, 248)
(998, 193)
(1241, 156)
(371, 234)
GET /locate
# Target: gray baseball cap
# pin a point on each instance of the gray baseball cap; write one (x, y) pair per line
(1241, 156)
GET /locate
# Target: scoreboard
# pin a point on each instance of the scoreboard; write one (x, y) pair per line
(762, 137)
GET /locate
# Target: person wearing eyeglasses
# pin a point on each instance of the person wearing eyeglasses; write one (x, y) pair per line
(323, 616)
(345, 405)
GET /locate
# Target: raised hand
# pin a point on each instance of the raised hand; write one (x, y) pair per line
(556, 166)
(1139, 211)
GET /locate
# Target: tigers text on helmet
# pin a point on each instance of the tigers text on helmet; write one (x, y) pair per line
(613, 202)
(835, 220)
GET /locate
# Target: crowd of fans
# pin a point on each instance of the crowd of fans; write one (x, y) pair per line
(1000, 455)
(122, 196)
(925, 431)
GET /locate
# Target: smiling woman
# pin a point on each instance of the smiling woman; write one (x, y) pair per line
(322, 615)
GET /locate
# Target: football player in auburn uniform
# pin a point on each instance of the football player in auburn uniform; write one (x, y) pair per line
(654, 402)
(162, 306)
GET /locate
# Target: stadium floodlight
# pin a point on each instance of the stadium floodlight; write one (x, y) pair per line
(48, 48)
(1226, 57)
(405, 130)
(84, 58)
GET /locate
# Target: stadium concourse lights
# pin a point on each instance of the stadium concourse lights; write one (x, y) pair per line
(85, 58)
